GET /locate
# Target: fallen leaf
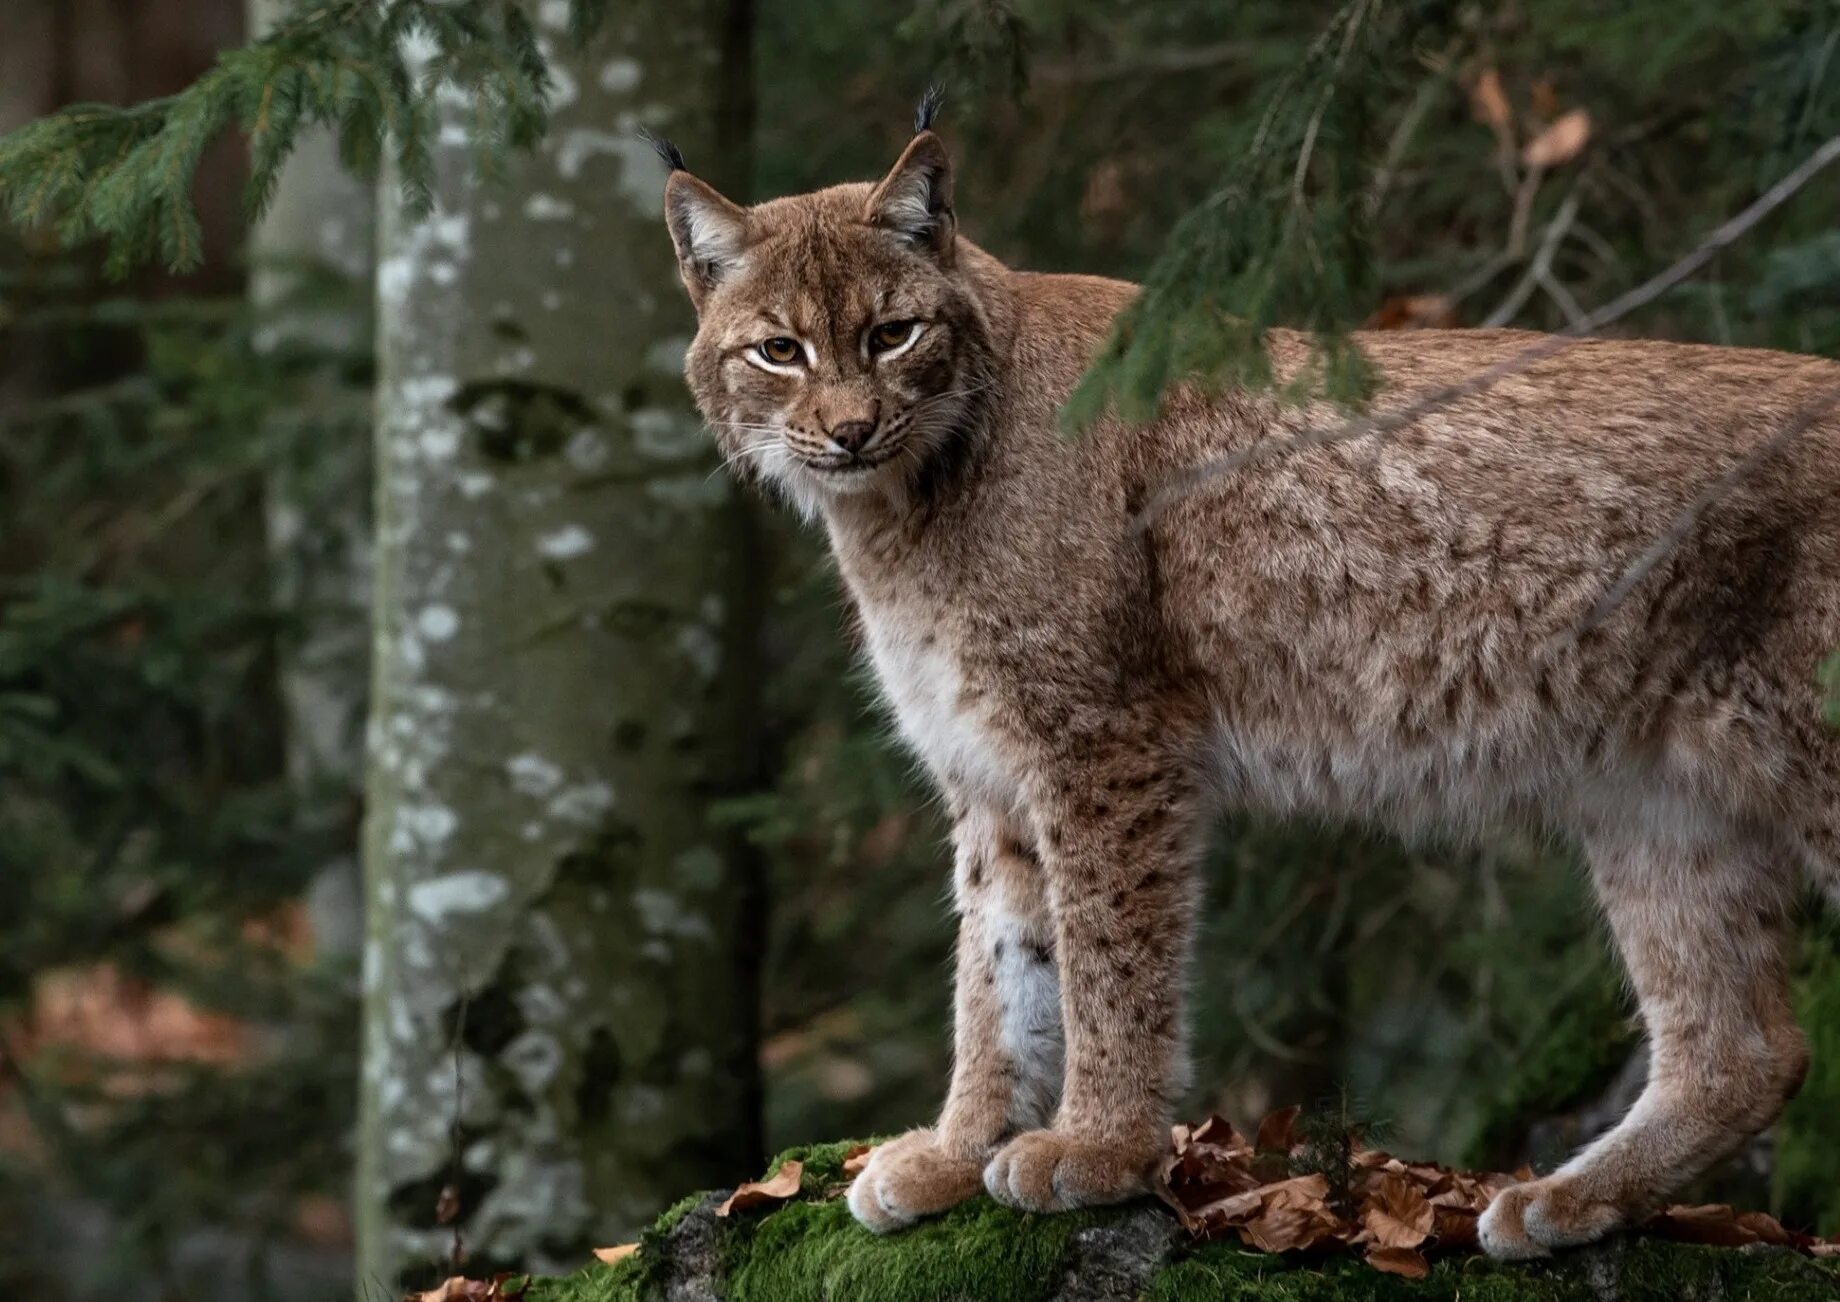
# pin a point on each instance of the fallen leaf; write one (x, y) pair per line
(1295, 1226)
(500, 1288)
(1234, 1209)
(1560, 142)
(615, 1254)
(1219, 1131)
(1399, 1216)
(783, 1185)
(1454, 1227)
(1277, 1133)
(1767, 1229)
(1218, 1182)
(1399, 1261)
(855, 1160)
(1414, 312)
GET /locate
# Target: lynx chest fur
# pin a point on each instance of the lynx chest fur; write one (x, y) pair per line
(941, 716)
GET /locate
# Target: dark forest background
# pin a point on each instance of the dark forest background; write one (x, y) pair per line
(183, 469)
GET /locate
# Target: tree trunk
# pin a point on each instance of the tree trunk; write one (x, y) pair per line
(320, 235)
(560, 999)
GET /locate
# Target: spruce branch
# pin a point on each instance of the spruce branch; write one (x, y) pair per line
(124, 175)
(1286, 241)
(1381, 425)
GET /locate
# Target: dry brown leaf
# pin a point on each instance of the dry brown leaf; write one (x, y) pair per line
(618, 1253)
(1414, 312)
(1399, 1261)
(500, 1288)
(1278, 1132)
(1292, 1227)
(1219, 1184)
(783, 1185)
(1454, 1227)
(1399, 1216)
(447, 1206)
(1489, 102)
(1219, 1131)
(1234, 1209)
(855, 1160)
(1560, 142)
(1767, 1229)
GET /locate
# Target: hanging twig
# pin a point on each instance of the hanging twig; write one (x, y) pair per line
(1380, 426)
(447, 1207)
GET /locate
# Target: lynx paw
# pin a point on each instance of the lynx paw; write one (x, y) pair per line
(1048, 1171)
(908, 1178)
(1530, 1220)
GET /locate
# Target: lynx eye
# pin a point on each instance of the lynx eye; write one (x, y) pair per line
(781, 351)
(891, 336)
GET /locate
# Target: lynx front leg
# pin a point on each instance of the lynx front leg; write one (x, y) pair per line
(1118, 840)
(1704, 931)
(1006, 1073)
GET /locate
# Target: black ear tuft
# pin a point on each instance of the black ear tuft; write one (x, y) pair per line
(673, 156)
(929, 108)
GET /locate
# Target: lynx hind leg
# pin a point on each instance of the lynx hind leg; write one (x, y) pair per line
(1007, 1042)
(1704, 931)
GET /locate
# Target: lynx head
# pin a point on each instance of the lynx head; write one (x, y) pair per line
(839, 348)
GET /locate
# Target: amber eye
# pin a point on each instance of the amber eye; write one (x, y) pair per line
(890, 335)
(782, 351)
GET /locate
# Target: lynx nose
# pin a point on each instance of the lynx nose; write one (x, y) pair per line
(852, 435)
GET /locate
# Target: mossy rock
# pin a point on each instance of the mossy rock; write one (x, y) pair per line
(809, 1250)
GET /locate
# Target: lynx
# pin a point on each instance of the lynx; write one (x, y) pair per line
(1385, 629)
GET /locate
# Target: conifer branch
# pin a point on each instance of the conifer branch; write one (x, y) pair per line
(1380, 426)
(124, 175)
(1285, 242)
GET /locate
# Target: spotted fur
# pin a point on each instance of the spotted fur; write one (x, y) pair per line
(1383, 631)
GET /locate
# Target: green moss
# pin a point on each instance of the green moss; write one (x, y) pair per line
(810, 1250)
(597, 1283)
(1806, 1192)
(823, 1163)
(1633, 1270)
(816, 1252)
(674, 1213)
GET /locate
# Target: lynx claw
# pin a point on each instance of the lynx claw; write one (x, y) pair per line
(1047, 1171)
(908, 1178)
(1532, 1219)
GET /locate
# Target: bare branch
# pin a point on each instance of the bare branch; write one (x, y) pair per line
(1684, 523)
(1384, 424)
(1540, 268)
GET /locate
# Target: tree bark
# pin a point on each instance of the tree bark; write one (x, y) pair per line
(560, 1002)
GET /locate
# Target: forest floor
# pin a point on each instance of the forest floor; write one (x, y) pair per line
(794, 1241)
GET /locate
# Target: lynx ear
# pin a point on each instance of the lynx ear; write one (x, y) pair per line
(915, 199)
(711, 234)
